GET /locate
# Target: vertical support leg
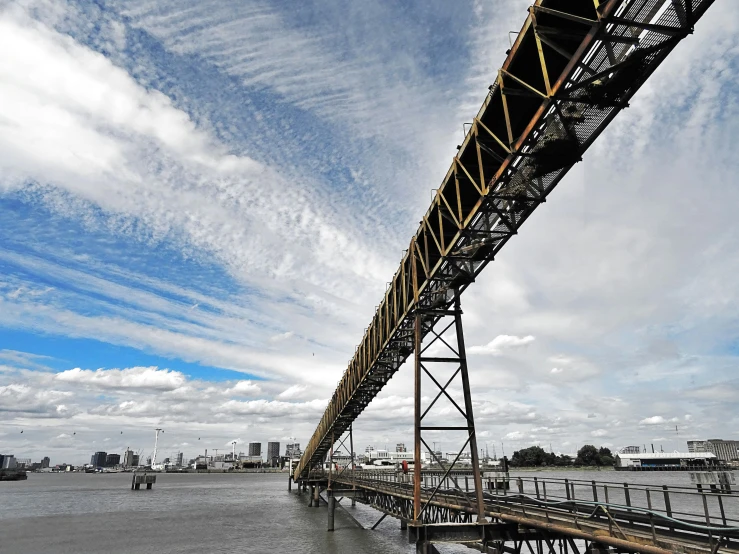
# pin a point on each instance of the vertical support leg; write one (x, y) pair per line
(403, 525)
(468, 409)
(316, 496)
(417, 419)
(351, 447)
(331, 461)
(148, 486)
(310, 496)
(290, 483)
(331, 510)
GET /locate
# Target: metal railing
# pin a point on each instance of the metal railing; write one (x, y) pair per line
(696, 514)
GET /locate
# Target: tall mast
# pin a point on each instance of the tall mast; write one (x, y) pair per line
(156, 445)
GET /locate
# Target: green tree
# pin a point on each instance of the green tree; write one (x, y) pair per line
(588, 456)
(563, 460)
(530, 457)
(606, 456)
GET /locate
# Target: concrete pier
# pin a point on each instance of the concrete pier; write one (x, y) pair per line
(316, 497)
(331, 511)
(139, 479)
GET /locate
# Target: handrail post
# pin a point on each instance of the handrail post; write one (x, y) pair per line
(651, 515)
(668, 506)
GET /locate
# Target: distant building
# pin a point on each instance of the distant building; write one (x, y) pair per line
(726, 451)
(23, 463)
(135, 460)
(273, 453)
(180, 458)
(128, 456)
(631, 450)
(7, 461)
(383, 457)
(112, 460)
(664, 461)
(698, 446)
(292, 450)
(255, 449)
(45, 462)
(340, 460)
(400, 447)
(99, 459)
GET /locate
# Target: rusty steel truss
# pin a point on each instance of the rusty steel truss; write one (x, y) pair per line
(575, 64)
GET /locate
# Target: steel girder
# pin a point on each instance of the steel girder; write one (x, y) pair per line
(575, 64)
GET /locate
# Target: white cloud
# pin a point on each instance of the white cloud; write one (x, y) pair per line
(514, 435)
(654, 420)
(244, 388)
(599, 433)
(295, 391)
(556, 370)
(134, 377)
(501, 343)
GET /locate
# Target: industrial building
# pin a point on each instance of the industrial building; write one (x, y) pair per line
(383, 457)
(665, 461)
(273, 454)
(112, 460)
(726, 451)
(255, 449)
(99, 459)
(7, 461)
(292, 450)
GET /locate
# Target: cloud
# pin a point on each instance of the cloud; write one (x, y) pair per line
(272, 408)
(556, 370)
(514, 435)
(244, 388)
(502, 343)
(295, 391)
(134, 377)
(281, 337)
(599, 433)
(654, 420)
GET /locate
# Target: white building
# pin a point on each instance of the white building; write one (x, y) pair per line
(385, 458)
(664, 461)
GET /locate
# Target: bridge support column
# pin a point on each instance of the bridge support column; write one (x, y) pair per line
(331, 510)
(316, 496)
(310, 496)
(290, 483)
(351, 453)
(444, 312)
(403, 525)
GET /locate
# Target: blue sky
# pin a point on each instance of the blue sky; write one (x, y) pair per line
(202, 202)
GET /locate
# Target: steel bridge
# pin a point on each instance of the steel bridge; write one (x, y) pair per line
(574, 66)
(545, 514)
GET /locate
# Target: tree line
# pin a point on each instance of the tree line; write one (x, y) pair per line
(536, 456)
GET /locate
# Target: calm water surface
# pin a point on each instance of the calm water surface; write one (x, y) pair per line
(203, 513)
(198, 513)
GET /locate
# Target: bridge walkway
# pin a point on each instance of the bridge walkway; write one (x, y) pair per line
(530, 510)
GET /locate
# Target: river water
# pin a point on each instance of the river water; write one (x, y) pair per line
(203, 513)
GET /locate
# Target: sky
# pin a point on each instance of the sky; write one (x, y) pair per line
(202, 203)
